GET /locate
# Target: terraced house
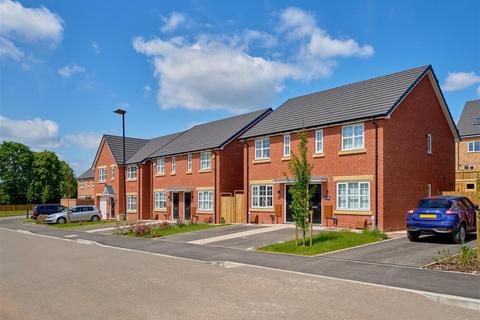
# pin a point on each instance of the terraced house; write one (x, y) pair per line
(377, 147)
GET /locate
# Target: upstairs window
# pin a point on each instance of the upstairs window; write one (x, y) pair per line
(131, 172)
(319, 141)
(286, 145)
(113, 173)
(174, 165)
(81, 184)
(102, 174)
(189, 163)
(205, 160)
(262, 149)
(353, 137)
(474, 146)
(161, 166)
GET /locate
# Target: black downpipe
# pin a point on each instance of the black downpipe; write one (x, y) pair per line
(215, 188)
(247, 192)
(376, 173)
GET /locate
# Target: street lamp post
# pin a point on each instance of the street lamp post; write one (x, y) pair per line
(122, 113)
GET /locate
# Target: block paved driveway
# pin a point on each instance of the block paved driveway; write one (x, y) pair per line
(374, 264)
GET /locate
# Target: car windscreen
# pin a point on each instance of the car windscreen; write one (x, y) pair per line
(434, 204)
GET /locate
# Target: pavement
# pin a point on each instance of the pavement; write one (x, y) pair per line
(361, 264)
(47, 278)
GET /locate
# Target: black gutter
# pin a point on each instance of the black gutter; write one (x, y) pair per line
(247, 192)
(376, 173)
(215, 190)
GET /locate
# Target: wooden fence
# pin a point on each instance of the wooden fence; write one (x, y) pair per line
(16, 207)
(472, 195)
(232, 207)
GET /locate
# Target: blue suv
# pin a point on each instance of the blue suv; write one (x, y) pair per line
(442, 215)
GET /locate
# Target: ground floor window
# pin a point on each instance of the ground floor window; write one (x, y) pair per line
(205, 200)
(160, 200)
(262, 196)
(353, 195)
(131, 203)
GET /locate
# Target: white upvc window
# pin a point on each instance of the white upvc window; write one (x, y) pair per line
(81, 184)
(319, 141)
(262, 149)
(102, 174)
(205, 200)
(113, 173)
(429, 143)
(353, 137)
(161, 166)
(174, 165)
(131, 172)
(262, 196)
(474, 146)
(189, 163)
(286, 145)
(160, 200)
(205, 160)
(131, 203)
(353, 195)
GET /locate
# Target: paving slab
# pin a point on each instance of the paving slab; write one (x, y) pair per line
(214, 232)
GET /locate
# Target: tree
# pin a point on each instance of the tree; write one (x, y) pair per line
(301, 169)
(68, 184)
(46, 178)
(15, 163)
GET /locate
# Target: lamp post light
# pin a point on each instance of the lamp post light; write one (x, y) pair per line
(122, 113)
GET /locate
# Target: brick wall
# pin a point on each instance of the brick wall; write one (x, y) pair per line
(465, 157)
(86, 189)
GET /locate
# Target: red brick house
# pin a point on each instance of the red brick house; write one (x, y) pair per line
(189, 174)
(377, 147)
(86, 185)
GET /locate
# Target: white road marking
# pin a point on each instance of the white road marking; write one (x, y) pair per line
(71, 236)
(446, 299)
(239, 234)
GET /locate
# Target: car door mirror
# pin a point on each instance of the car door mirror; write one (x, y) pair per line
(475, 207)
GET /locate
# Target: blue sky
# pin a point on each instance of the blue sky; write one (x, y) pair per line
(65, 66)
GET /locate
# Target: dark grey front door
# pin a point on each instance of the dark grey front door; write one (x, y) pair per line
(175, 205)
(187, 201)
(316, 204)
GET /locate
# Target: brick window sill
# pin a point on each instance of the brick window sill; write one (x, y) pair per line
(285, 158)
(205, 171)
(262, 209)
(319, 155)
(349, 152)
(261, 161)
(352, 212)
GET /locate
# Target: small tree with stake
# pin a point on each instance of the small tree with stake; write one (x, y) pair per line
(301, 169)
(68, 185)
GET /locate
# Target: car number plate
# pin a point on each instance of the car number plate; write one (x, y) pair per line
(428, 216)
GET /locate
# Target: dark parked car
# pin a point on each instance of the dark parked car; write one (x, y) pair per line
(451, 215)
(47, 209)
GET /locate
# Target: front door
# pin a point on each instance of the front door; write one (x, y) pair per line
(112, 208)
(316, 204)
(103, 207)
(187, 202)
(175, 205)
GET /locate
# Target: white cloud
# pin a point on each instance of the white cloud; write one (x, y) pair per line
(70, 70)
(96, 48)
(19, 24)
(173, 21)
(146, 91)
(212, 75)
(37, 133)
(460, 80)
(218, 71)
(85, 140)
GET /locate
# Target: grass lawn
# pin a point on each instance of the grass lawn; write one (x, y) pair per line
(13, 213)
(326, 241)
(173, 229)
(81, 224)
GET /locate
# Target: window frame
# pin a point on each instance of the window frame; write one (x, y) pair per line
(112, 171)
(353, 126)
(201, 201)
(206, 161)
(264, 150)
(256, 196)
(347, 195)
(100, 171)
(132, 174)
(160, 203)
(160, 165)
(287, 145)
(173, 165)
(189, 162)
(472, 143)
(131, 203)
(317, 150)
(429, 143)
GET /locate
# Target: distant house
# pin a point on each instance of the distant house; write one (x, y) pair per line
(377, 147)
(468, 148)
(86, 185)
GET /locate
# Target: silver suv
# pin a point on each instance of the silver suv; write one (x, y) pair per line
(77, 213)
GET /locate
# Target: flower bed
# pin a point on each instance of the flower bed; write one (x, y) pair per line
(161, 229)
(465, 261)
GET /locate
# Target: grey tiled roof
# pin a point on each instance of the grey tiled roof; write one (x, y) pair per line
(469, 123)
(360, 100)
(210, 135)
(132, 145)
(88, 174)
(152, 146)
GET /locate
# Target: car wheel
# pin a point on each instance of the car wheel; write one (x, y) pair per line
(95, 218)
(412, 235)
(460, 235)
(61, 220)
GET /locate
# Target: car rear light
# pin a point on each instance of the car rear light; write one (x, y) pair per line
(409, 212)
(451, 212)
